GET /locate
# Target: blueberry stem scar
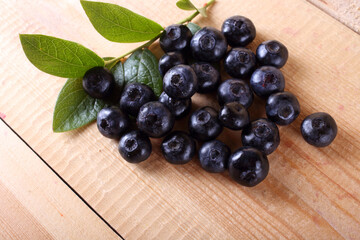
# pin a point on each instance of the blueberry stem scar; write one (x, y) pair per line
(111, 63)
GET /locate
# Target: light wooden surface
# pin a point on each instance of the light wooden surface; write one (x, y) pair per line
(35, 203)
(310, 193)
(346, 11)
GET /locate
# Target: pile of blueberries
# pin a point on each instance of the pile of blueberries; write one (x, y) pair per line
(208, 47)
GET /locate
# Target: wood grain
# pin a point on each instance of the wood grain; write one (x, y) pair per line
(309, 194)
(346, 11)
(35, 203)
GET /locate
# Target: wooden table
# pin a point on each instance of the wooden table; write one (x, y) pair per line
(75, 186)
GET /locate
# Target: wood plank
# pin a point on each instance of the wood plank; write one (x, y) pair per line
(35, 203)
(310, 193)
(346, 11)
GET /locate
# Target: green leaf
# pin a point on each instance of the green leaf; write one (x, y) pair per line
(185, 5)
(188, 5)
(119, 24)
(142, 67)
(119, 76)
(59, 57)
(193, 27)
(74, 107)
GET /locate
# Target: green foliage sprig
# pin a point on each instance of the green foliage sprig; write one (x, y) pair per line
(62, 58)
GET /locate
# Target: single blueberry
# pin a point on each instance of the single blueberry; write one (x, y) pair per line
(214, 156)
(319, 129)
(261, 134)
(234, 116)
(178, 147)
(267, 80)
(272, 53)
(112, 122)
(239, 31)
(235, 90)
(240, 62)
(180, 82)
(98, 82)
(204, 124)
(178, 107)
(282, 108)
(155, 119)
(208, 45)
(135, 147)
(169, 60)
(208, 77)
(175, 37)
(248, 166)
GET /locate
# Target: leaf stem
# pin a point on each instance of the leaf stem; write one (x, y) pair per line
(192, 16)
(111, 63)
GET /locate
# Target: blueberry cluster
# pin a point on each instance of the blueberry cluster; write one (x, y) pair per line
(251, 74)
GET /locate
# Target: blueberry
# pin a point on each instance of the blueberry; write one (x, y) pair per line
(272, 53)
(240, 62)
(134, 96)
(204, 124)
(208, 45)
(180, 82)
(169, 60)
(234, 116)
(282, 108)
(178, 147)
(135, 146)
(235, 90)
(248, 166)
(155, 119)
(208, 77)
(267, 80)
(98, 82)
(112, 122)
(261, 134)
(319, 129)
(176, 37)
(239, 31)
(178, 107)
(214, 156)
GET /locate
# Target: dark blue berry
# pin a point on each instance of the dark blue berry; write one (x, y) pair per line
(169, 60)
(176, 37)
(248, 166)
(235, 90)
(208, 77)
(180, 82)
(282, 108)
(272, 53)
(319, 129)
(234, 116)
(112, 122)
(267, 80)
(239, 31)
(135, 147)
(134, 96)
(178, 147)
(208, 45)
(98, 82)
(178, 107)
(155, 119)
(204, 124)
(214, 156)
(261, 134)
(240, 62)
